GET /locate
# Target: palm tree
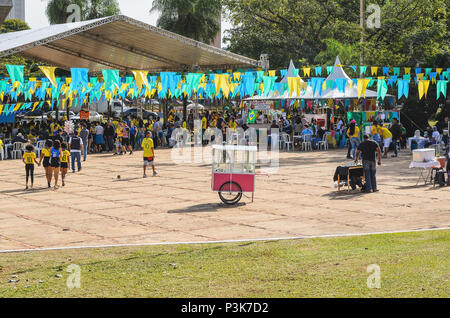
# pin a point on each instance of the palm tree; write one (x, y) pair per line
(90, 9)
(196, 19)
(102, 8)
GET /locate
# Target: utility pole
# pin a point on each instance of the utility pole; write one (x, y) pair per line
(362, 7)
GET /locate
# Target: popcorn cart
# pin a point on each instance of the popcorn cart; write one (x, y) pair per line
(233, 172)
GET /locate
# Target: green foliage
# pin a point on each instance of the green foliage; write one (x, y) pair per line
(31, 66)
(90, 9)
(412, 264)
(348, 53)
(288, 29)
(196, 19)
(13, 25)
(411, 31)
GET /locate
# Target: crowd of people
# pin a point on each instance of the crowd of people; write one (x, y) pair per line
(64, 150)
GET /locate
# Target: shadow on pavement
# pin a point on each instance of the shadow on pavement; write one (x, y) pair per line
(335, 195)
(23, 191)
(208, 207)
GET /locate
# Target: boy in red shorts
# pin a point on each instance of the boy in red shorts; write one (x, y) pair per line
(149, 155)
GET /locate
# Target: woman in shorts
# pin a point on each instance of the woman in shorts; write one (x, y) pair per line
(45, 156)
(65, 162)
(55, 160)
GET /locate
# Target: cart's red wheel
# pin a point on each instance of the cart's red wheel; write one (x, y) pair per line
(230, 193)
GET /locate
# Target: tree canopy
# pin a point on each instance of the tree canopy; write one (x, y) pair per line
(313, 31)
(89, 9)
(31, 66)
(196, 19)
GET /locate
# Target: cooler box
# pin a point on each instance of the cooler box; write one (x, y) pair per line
(424, 155)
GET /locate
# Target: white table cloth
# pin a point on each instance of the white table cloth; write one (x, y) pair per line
(425, 166)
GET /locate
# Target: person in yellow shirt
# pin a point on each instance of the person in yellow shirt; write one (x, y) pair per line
(353, 133)
(119, 133)
(29, 159)
(149, 153)
(45, 156)
(65, 162)
(232, 124)
(375, 133)
(387, 139)
(1, 149)
(204, 127)
(213, 122)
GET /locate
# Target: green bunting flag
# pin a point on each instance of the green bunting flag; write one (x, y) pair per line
(382, 89)
(16, 73)
(441, 87)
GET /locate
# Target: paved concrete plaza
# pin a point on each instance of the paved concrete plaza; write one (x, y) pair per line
(96, 208)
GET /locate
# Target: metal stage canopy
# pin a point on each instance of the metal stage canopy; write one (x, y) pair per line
(5, 7)
(118, 42)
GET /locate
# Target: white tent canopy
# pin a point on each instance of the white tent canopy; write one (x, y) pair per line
(337, 73)
(195, 107)
(118, 42)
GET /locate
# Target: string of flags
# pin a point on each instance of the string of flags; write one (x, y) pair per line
(80, 88)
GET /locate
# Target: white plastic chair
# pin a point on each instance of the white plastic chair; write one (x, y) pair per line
(40, 145)
(307, 142)
(323, 144)
(17, 150)
(286, 139)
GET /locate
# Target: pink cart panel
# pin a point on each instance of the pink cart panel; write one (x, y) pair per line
(245, 181)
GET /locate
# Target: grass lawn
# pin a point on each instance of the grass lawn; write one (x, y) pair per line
(415, 264)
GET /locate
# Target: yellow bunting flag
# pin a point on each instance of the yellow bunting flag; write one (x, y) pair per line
(362, 86)
(294, 85)
(307, 71)
(407, 70)
(34, 106)
(423, 88)
(272, 73)
(108, 95)
(438, 71)
(374, 70)
(17, 107)
(141, 78)
(222, 83)
(49, 72)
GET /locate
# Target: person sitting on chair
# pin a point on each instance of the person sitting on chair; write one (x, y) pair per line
(306, 131)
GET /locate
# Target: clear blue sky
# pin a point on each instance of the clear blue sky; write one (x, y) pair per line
(137, 9)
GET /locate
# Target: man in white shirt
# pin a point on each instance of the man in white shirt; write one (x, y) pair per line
(99, 140)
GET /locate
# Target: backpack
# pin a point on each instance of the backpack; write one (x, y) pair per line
(440, 178)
